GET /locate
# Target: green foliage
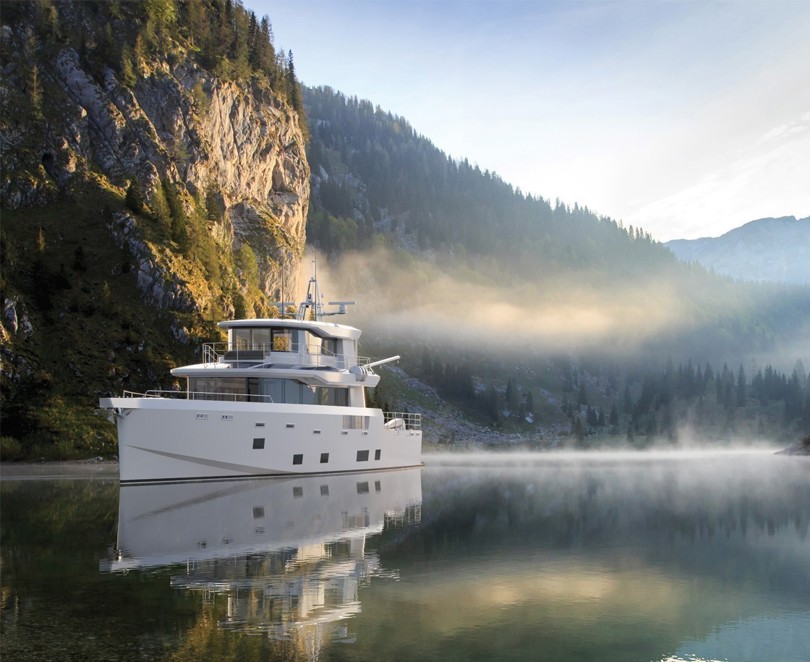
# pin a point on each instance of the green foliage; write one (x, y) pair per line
(247, 267)
(10, 449)
(161, 212)
(178, 221)
(222, 35)
(202, 102)
(134, 197)
(92, 332)
(335, 234)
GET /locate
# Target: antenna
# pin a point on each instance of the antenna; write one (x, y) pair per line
(341, 307)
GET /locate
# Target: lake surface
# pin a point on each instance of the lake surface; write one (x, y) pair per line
(651, 557)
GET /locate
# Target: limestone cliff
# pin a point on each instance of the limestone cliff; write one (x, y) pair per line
(231, 148)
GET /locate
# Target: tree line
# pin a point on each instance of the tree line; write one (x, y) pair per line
(224, 38)
(641, 407)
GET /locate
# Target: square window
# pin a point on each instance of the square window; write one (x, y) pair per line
(324, 490)
(377, 454)
(258, 512)
(258, 443)
(362, 456)
(298, 492)
(298, 458)
(362, 488)
(324, 458)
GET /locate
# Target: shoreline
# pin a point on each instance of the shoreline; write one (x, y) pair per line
(58, 470)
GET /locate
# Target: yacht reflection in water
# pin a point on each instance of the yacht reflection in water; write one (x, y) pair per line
(286, 554)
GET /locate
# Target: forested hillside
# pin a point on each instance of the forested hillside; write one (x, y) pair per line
(372, 172)
(504, 298)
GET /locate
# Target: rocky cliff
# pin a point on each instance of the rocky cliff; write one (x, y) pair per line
(154, 180)
(236, 146)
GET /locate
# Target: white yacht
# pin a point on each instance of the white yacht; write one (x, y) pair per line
(281, 396)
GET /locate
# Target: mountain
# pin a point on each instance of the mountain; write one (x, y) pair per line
(154, 181)
(768, 250)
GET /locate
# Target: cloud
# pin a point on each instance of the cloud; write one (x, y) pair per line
(769, 178)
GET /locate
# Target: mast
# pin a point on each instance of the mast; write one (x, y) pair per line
(314, 300)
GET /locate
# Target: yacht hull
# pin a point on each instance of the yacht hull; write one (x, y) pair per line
(168, 439)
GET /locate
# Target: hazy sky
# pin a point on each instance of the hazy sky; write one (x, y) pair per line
(687, 118)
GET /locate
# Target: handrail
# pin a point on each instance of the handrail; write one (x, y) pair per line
(398, 420)
(227, 352)
(200, 395)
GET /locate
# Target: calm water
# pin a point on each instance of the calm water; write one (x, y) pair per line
(520, 557)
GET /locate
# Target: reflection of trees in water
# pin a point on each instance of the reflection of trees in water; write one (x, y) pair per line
(718, 507)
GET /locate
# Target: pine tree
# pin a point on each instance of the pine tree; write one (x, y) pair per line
(742, 395)
(628, 400)
(134, 197)
(614, 416)
(511, 395)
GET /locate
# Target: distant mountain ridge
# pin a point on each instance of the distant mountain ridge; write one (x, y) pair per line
(766, 250)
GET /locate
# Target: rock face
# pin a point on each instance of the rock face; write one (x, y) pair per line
(236, 143)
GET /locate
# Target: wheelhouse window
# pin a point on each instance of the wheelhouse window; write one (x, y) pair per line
(260, 339)
(284, 340)
(314, 343)
(265, 339)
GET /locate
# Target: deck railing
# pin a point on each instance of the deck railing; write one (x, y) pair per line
(201, 395)
(398, 420)
(315, 356)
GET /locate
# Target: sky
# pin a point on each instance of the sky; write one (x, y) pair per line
(686, 118)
